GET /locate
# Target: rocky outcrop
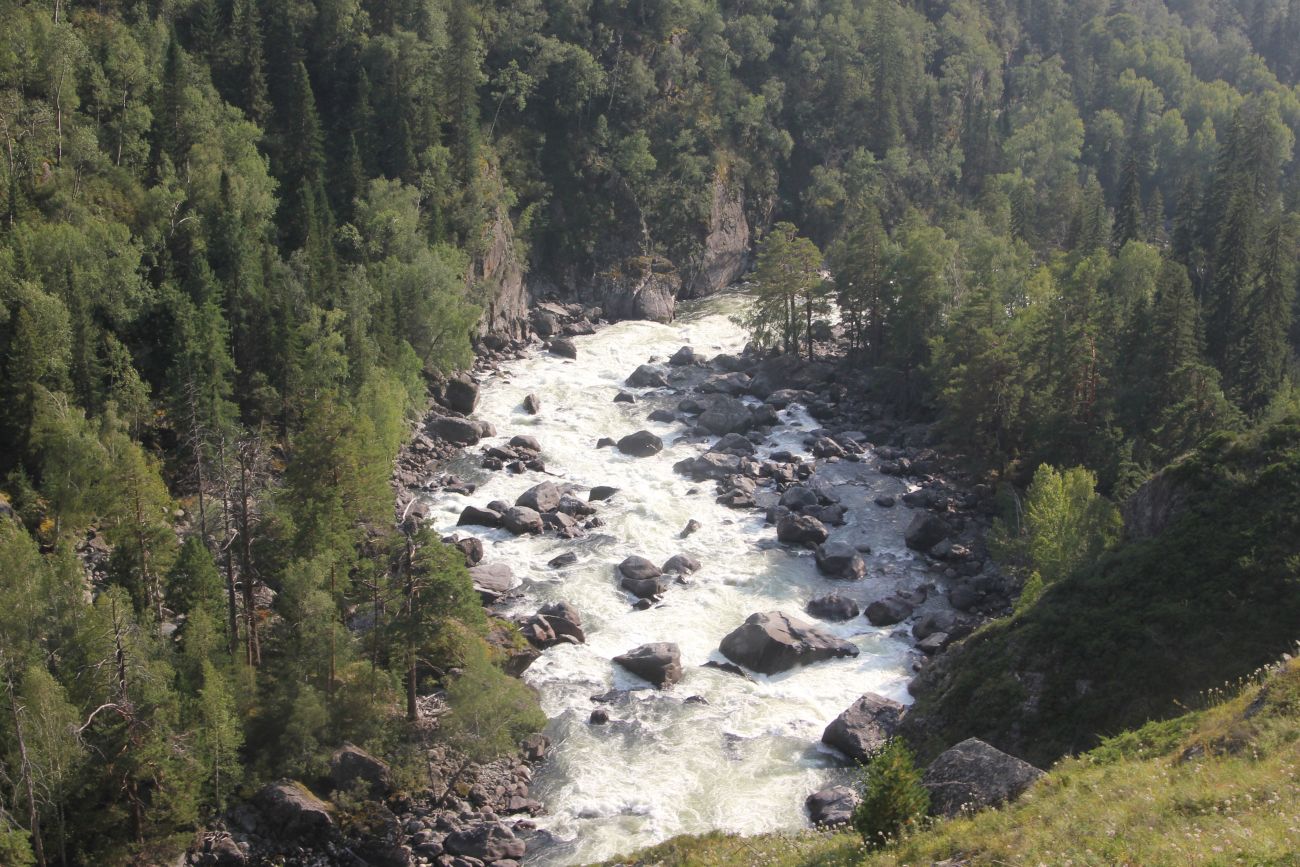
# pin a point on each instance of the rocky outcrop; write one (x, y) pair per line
(864, 726)
(660, 663)
(500, 277)
(926, 531)
(773, 642)
(290, 810)
(973, 776)
(831, 807)
(641, 287)
(726, 246)
(352, 767)
(1155, 505)
(487, 842)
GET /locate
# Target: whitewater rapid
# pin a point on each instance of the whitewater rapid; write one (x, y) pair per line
(746, 757)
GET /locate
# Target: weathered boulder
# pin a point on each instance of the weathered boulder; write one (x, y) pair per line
(926, 531)
(831, 807)
(643, 287)
(490, 841)
(662, 415)
(624, 397)
(713, 465)
(461, 394)
(724, 414)
(733, 384)
(684, 357)
(601, 493)
(532, 405)
(647, 376)
(660, 663)
(523, 441)
(734, 443)
(864, 726)
(645, 589)
(773, 642)
(561, 610)
(637, 568)
(797, 498)
(835, 608)
(887, 612)
(641, 444)
(691, 528)
(801, 530)
(521, 519)
(973, 775)
(543, 498)
(841, 560)
(568, 558)
(726, 244)
(351, 766)
(681, 564)
(290, 810)
(492, 581)
(935, 621)
(473, 516)
(563, 347)
(457, 431)
(472, 548)
(825, 447)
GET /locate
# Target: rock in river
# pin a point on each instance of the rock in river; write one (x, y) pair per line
(864, 726)
(661, 664)
(540, 498)
(841, 560)
(773, 642)
(641, 444)
(801, 529)
(830, 807)
(521, 519)
(647, 376)
(926, 531)
(835, 608)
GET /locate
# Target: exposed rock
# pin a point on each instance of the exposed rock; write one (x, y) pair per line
(887, 612)
(660, 663)
(726, 245)
(1155, 505)
(663, 415)
(521, 519)
(461, 394)
(885, 501)
(290, 810)
(684, 357)
(500, 273)
(831, 807)
(935, 621)
(571, 505)
(523, 441)
(534, 747)
(864, 726)
(568, 558)
(647, 376)
(835, 608)
(624, 397)
(216, 849)
(689, 530)
(681, 564)
(531, 404)
(492, 581)
(562, 610)
(457, 431)
(841, 560)
(641, 444)
(773, 642)
(935, 642)
(350, 765)
(827, 448)
(490, 841)
(797, 498)
(734, 443)
(473, 516)
(598, 717)
(713, 465)
(800, 530)
(638, 568)
(472, 548)
(725, 415)
(973, 775)
(563, 347)
(926, 531)
(601, 493)
(642, 287)
(544, 497)
(733, 384)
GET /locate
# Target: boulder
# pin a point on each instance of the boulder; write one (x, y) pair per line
(563, 347)
(641, 444)
(733, 384)
(827, 448)
(351, 766)
(724, 415)
(521, 519)
(598, 717)
(661, 663)
(841, 560)
(492, 581)
(647, 376)
(681, 564)
(887, 612)
(545, 323)
(472, 548)
(773, 642)
(638, 568)
(488, 842)
(831, 807)
(973, 775)
(290, 810)
(532, 405)
(935, 621)
(571, 505)
(568, 558)
(692, 526)
(601, 493)
(713, 465)
(801, 530)
(797, 498)
(640, 287)
(523, 441)
(663, 415)
(561, 610)
(457, 431)
(473, 516)
(835, 608)
(624, 397)
(542, 498)
(684, 357)
(926, 531)
(734, 443)
(461, 394)
(864, 726)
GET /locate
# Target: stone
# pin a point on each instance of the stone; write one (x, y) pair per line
(563, 347)
(647, 376)
(887, 612)
(926, 531)
(734, 384)
(640, 287)
(692, 526)
(935, 642)
(473, 516)
(350, 765)
(600, 493)
(827, 448)
(522, 441)
(472, 548)
(605, 442)
(534, 747)
(542, 498)
(562, 611)
(290, 810)
(727, 242)
(637, 568)
(641, 444)
(457, 431)
(599, 717)
(521, 519)
(725, 415)
(835, 608)
(831, 807)
(461, 394)
(773, 642)
(886, 501)
(734, 443)
(864, 726)
(532, 405)
(624, 397)
(932, 622)
(681, 564)
(492, 581)
(797, 497)
(664, 416)
(568, 558)
(489, 841)
(684, 357)
(841, 560)
(801, 530)
(659, 663)
(973, 776)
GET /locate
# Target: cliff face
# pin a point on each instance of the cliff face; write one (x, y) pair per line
(1155, 505)
(499, 280)
(642, 287)
(725, 256)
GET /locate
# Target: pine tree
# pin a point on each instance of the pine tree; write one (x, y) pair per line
(1262, 353)
(894, 803)
(1128, 215)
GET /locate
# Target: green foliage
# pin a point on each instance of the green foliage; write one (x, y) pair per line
(491, 712)
(790, 292)
(894, 803)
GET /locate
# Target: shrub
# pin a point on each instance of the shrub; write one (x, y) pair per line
(894, 802)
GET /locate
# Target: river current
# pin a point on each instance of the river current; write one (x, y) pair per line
(745, 758)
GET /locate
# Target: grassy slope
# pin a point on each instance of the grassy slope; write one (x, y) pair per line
(1134, 800)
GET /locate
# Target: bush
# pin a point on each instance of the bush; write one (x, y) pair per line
(894, 803)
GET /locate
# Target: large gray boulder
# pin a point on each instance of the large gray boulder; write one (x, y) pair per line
(457, 431)
(488, 842)
(773, 642)
(835, 608)
(801, 530)
(841, 560)
(461, 394)
(351, 766)
(723, 415)
(540, 498)
(473, 516)
(926, 531)
(647, 376)
(563, 347)
(290, 810)
(641, 287)
(726, 244)
(831, 807)
(660, 663)
(973, 775)
(887, 612)
(521, 520)
(641, 444)
(492, 581)
(636, 567)
(864, 726)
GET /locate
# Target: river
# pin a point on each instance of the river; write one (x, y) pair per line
(746, 757)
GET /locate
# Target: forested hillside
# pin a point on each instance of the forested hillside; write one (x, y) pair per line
(242, 240)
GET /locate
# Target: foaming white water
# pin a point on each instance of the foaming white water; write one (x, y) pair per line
(745, 760)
